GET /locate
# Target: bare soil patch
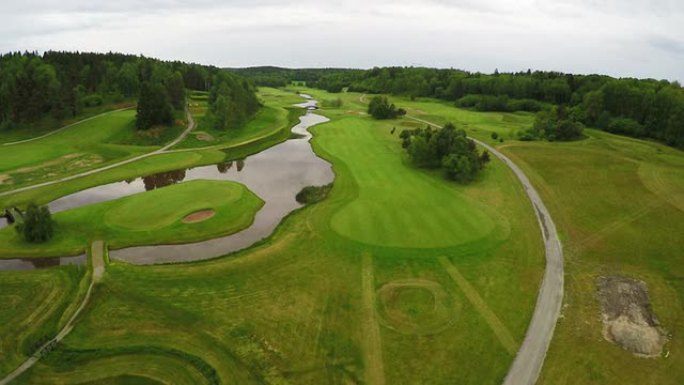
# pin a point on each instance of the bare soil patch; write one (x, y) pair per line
(204, 136)
(47, 164)
(199, 216)
(628, 319)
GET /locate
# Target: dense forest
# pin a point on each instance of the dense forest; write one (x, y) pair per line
(281, 77)
(231, 101)
(58, 85)
(640, 108)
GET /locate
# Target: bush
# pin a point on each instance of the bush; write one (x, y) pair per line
(92, 100)
(495, 135)
(626, 126)
(313, 194)
(380, 108)
(557, 124)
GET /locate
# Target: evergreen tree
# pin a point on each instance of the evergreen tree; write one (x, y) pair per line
(176, 90)
(154, 107)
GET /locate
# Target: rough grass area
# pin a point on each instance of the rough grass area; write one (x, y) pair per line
(80, 147)
(618, 205)
(34, 304)
(50, 124)
(154, 217)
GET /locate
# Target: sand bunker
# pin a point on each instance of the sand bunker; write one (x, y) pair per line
(628, 319)
(204, 136)
(199, 216)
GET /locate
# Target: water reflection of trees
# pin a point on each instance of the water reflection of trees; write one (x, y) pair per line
(42, 263)
(223, 167)
(163, 179)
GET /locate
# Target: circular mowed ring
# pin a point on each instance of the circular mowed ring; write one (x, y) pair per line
(415, 306)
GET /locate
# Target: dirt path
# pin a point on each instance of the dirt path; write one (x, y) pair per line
(98, 265)
(65, 127)
(499, 329)
(372, 342)
(191, 126)
(530, 358)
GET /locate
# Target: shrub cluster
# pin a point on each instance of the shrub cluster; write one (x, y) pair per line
(380, 108)
(447, 148)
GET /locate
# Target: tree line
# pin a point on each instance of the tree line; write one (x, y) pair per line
(644, 108)
(58, 85)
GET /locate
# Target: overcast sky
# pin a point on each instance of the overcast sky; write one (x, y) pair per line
(636, 38)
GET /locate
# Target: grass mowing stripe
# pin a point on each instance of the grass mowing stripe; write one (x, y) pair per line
(499, 329)
(374, 369)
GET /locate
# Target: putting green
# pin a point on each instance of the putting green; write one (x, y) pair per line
(161, 208)
(398, 205)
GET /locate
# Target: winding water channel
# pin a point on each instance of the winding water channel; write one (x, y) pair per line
(276, 175)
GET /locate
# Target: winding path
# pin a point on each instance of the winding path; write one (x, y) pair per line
(191, 126)
(98, 267)
(530, 358)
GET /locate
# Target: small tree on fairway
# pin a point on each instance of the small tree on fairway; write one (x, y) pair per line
(37, 226)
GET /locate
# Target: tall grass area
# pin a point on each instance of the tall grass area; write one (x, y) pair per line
(619, 204)
(294, 309)
(36, 304)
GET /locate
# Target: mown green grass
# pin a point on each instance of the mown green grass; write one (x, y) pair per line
(619, 205)
(289, 311)
(391, 193)
(154, 217)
